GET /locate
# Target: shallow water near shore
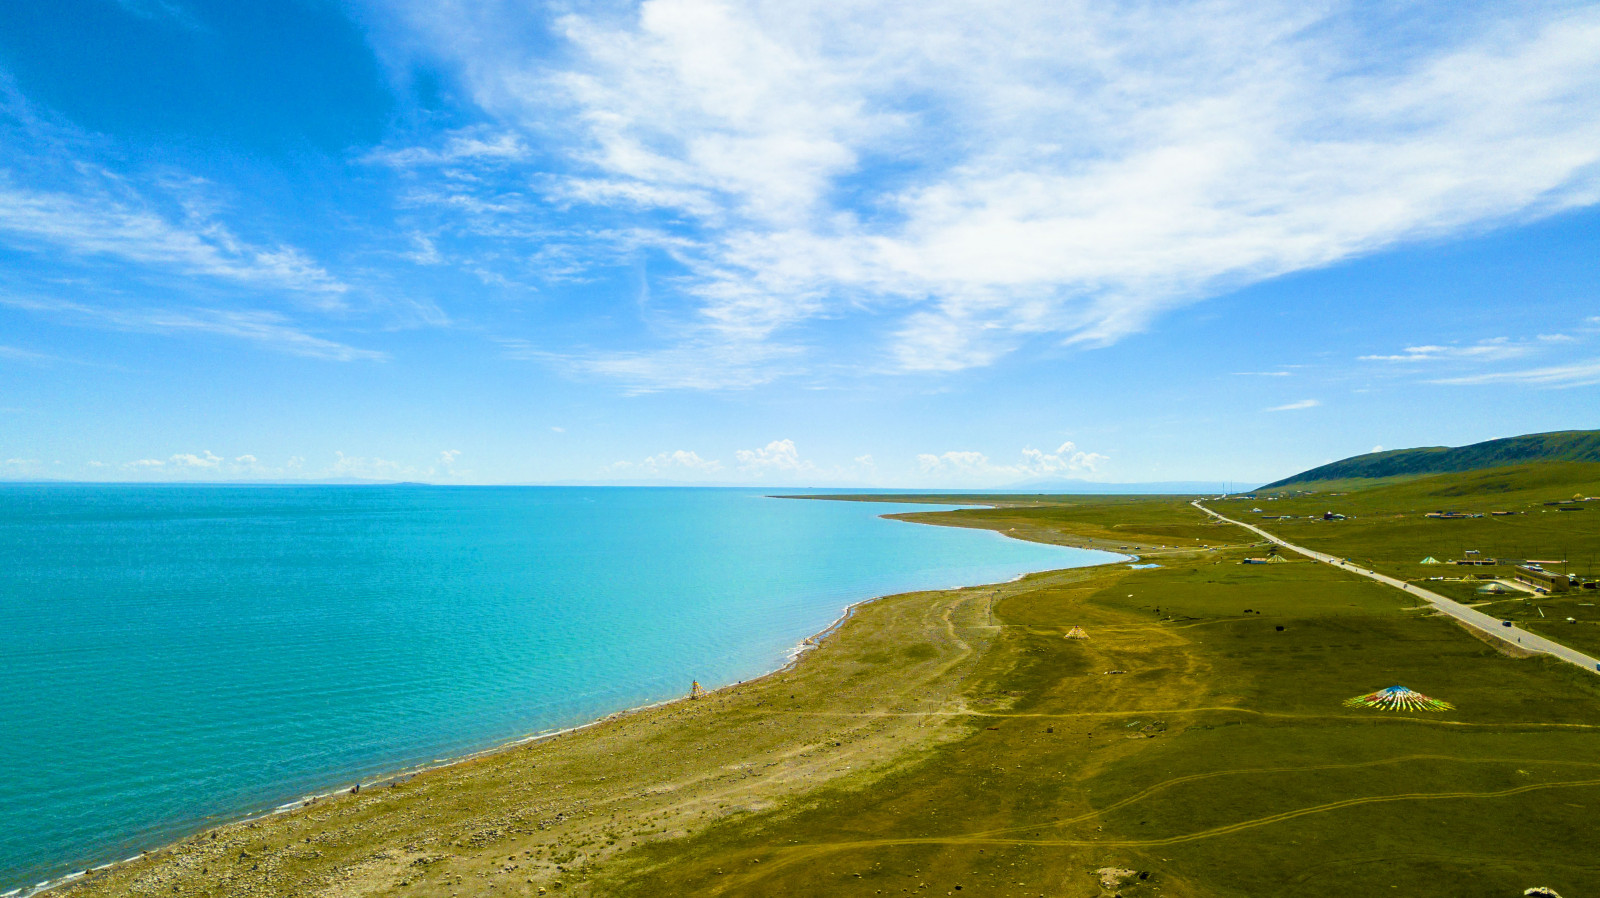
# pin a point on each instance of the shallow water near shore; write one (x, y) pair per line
(179, 656)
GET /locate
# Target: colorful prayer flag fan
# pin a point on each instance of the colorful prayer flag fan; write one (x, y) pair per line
(1077, 633)
(1398, 698)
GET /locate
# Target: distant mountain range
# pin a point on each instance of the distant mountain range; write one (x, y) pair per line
(1564, 445)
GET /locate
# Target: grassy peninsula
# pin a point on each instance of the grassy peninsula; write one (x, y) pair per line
(1196, 743)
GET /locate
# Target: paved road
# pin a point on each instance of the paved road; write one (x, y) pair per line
(1470, 616)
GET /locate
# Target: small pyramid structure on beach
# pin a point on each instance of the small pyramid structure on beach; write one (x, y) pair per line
(695, 691)
(1398, 698)
(1077, 633)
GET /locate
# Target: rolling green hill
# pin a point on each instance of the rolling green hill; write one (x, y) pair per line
(1566, 445)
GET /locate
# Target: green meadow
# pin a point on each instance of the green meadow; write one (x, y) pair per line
(1221, 760)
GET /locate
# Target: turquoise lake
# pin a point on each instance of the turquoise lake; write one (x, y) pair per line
(173, 657)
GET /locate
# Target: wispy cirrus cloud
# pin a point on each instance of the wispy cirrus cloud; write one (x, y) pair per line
(28, 356)
(963, 178)
(1493, 349)
(99, 223)
(269, 329)
(1492, 353)
(469, 145)
(1577, 374)
(1295, 406)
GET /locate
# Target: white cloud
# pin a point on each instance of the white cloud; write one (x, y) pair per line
(1578, 374)
(267, 328)
(1494, 349)
(145, 463)
(161, 10)
(554, 429)
(970, 465)
(699, 364)
(101, 223)
(247, 460)
(12, 353)
(979, 174)
(1485, 353)
(1295, 406)
(474, 145)
(423, 251)
(369, 468)
(1378, 448)
(448, 457)
(665, 462)
(21, 462)
(190, 460)
(778, 456)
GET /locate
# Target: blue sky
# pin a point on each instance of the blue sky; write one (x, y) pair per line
(949, 244)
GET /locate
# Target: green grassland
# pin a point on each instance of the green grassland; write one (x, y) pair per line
(1222, 761)
(1390, 529)
(1131, 523)
(956, 743)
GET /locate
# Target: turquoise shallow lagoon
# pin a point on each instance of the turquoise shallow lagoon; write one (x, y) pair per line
(172, 657)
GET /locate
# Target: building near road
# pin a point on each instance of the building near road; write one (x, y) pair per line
(1539, 578)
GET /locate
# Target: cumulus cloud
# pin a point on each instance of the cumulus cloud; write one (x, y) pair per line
(666, 462)
(448, 457)
(969, 176)
(370, 467)
(778, 456)
(190, 460)
(972, 465)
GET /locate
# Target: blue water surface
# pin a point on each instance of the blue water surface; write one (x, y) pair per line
(174, 656)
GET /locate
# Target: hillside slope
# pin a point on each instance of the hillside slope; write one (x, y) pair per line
(1566, 445)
